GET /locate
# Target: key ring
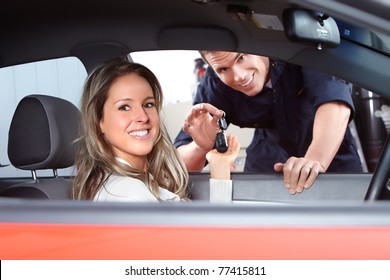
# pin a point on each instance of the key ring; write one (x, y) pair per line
(222, 122)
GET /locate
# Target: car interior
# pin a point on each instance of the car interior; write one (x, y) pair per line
(47, 141)
(354, 45)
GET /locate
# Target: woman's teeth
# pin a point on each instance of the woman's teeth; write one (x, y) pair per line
(139, 133)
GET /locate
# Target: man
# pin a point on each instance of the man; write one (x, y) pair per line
(301, 117)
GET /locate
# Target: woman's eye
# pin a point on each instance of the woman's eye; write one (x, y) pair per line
(150, 105)
(242, 57)
(124, 108)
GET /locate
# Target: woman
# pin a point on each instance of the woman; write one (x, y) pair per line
(125, 151)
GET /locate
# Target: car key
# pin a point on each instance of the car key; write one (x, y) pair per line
(220, 140)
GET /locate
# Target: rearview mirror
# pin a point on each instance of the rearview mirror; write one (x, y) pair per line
(310, 27)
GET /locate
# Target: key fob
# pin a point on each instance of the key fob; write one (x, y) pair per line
(221, 142)
(222, 123)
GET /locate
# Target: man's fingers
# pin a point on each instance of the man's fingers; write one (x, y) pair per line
(278, 167)
(207, 107)
(299, 173)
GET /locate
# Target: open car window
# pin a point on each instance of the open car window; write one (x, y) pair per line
(176, 70)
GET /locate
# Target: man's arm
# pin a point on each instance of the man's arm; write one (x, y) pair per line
(194, 157)
(330, 124)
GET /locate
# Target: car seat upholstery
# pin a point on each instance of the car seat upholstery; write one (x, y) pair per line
(42, 136)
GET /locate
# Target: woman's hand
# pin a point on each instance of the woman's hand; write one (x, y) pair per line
(221, 163)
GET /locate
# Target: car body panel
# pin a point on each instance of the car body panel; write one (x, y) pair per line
(133, 242)
(53, 230)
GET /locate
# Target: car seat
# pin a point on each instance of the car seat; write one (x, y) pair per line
(42, 136)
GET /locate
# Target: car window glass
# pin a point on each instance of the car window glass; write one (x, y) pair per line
(62, 77)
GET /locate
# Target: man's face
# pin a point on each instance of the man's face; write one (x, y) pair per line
(243, 72)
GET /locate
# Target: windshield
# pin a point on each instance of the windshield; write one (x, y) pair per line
(370, 39)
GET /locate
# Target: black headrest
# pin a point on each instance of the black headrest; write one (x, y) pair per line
(43, 132)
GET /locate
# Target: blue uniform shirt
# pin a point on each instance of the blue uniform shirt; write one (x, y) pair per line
(283, 115)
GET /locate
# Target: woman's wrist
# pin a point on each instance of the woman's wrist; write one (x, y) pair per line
(220, 170)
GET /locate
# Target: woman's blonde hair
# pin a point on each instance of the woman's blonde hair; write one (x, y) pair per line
(96, 161)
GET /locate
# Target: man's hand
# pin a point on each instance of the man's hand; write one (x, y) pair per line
(299, 173)
(201, 124)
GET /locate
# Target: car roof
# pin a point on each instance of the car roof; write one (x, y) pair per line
(95, 31)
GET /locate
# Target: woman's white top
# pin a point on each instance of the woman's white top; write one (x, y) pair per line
(129, 189)
(221, 190)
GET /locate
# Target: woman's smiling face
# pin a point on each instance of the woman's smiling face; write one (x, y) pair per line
(130, 121)
(243, 72)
